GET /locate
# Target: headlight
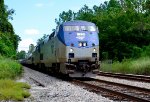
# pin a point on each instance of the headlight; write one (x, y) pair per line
(80, 44)
(71, 50)
(94, 50)
(84, 44)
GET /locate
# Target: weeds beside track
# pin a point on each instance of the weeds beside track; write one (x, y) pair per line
(9, 89)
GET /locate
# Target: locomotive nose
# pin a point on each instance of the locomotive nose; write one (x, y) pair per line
(83, 53)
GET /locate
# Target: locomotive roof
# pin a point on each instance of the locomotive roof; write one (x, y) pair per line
(78, 22)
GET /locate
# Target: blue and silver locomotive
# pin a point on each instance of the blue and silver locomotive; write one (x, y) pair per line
(73, 49)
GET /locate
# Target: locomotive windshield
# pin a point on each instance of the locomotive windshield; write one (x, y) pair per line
(87, 28)
(71, 28)
(79, 28)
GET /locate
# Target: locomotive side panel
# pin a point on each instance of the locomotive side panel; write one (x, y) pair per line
(48, 50)
(36, 57)
(60, 51)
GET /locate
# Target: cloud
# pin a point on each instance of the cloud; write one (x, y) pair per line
(46, 4)
(31, 31)
(24, 44)
(39, 5)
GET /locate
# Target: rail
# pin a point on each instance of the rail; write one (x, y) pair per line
(141, 78)
(120, 90)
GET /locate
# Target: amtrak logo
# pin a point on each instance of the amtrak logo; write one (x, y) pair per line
(80, 36)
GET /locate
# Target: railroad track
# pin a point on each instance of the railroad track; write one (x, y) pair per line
(116, 91)
(141, 78)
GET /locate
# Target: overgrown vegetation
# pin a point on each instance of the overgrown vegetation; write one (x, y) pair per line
(9, 69)
(139, 66)
(9, 89)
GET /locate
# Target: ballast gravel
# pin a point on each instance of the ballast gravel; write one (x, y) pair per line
(127, 82)
(56, 90)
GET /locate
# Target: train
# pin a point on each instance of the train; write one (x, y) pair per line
(72, 49)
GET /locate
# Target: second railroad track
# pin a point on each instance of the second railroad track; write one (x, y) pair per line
(116, 91)
(141, 78)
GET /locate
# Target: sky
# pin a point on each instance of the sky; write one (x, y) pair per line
(33, 18)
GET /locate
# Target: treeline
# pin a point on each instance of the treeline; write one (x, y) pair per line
(8, 39)
(124, 27)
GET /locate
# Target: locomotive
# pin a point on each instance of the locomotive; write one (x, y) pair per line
(72, 49)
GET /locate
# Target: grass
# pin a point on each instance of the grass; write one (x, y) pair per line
(9, 69)
(9, 89)
(139, 66)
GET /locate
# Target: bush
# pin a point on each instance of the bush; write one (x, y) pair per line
(6, 45)
(146, 51)
(139, 66)
(9, 69)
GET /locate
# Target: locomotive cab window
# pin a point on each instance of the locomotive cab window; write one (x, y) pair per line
(91, 28)
(79, 28)
(88, 28)
(71, 28)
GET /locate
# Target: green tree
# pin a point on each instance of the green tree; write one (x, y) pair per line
(85, 13)
(42, 39)
(9, 40)
(65, 16)
(21, 55)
